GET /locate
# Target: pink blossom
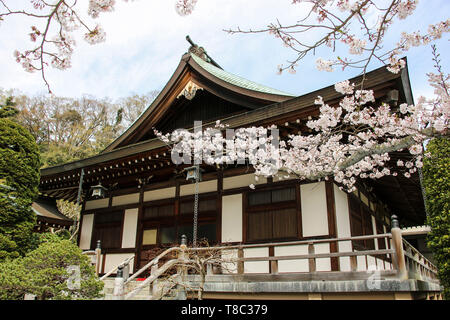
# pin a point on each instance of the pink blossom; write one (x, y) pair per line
(324, 65)
(185, 7)
(95, 36)
(344, 87)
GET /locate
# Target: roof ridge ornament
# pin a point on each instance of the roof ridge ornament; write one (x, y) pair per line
(200, 52)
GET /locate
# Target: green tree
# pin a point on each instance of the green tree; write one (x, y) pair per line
(45, 272)
(19, 180)
(436, 174)
(68, 129)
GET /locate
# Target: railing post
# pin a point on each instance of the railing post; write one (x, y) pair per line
(354, 263)
(240, 264)
(118, 293)
(98, 254)
(397, 245)
(182, 271)
(182, 255)
(273, 263)
(312, 261)
(155, 284)
(126, 271)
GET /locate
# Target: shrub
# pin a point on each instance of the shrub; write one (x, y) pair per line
(436, 175)
(45, 273)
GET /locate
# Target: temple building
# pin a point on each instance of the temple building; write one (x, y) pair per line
(295, 239)
(48, 216)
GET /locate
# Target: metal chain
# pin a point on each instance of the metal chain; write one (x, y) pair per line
(194, 236)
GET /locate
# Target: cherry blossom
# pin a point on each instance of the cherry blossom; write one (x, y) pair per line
(185, 7)
(346, 22)
(352, 141)
(54, 46)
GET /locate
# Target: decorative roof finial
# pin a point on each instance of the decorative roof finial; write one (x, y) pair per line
(200, 52)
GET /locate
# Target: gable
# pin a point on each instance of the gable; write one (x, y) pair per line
(197, 90)
(205, 107)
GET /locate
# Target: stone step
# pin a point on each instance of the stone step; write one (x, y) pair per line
(144, 294)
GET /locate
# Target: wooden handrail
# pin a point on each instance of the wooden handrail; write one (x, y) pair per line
(123, 263)
(320, 255)
(151, 263)
(292, 243)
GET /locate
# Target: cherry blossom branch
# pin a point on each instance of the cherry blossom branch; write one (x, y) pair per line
(64, 14)
(338, 30)
(353, 140)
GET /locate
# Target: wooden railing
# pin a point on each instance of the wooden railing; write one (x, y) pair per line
(312, 257)
(417, 265)
(399, 257)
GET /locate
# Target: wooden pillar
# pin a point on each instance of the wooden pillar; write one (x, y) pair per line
(354, 263)
(139, 229)
(332, 227)
(397, 245)
(273, 263)
(312, 261)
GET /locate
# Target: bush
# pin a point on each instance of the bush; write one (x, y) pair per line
(436, 176)
(45, 273)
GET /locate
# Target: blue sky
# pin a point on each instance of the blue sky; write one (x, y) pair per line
(146, 39)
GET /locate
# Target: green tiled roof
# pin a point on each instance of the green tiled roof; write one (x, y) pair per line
(236, 80)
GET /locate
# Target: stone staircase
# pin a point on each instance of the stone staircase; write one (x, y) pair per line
(108, 289)
(144, 294)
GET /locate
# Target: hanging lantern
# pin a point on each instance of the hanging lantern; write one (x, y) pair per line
(98, 191)
(194, 173)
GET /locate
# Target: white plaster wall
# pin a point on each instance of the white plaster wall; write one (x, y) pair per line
(130, 228)
(314, 209)
(114, 259)
(242, 181)
(203, 187)
(232, 218)
(380, 264)
(371, 263)
(229, 267)
(297, 265)
(125, 199)
(159, 194)
(322, 264)
(256, 266)
(86, 231)
(343, 226)
(361, 261)
(96, 204)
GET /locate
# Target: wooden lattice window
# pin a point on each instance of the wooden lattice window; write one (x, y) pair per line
(361, 223)
(108, 229)
(272, 215)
